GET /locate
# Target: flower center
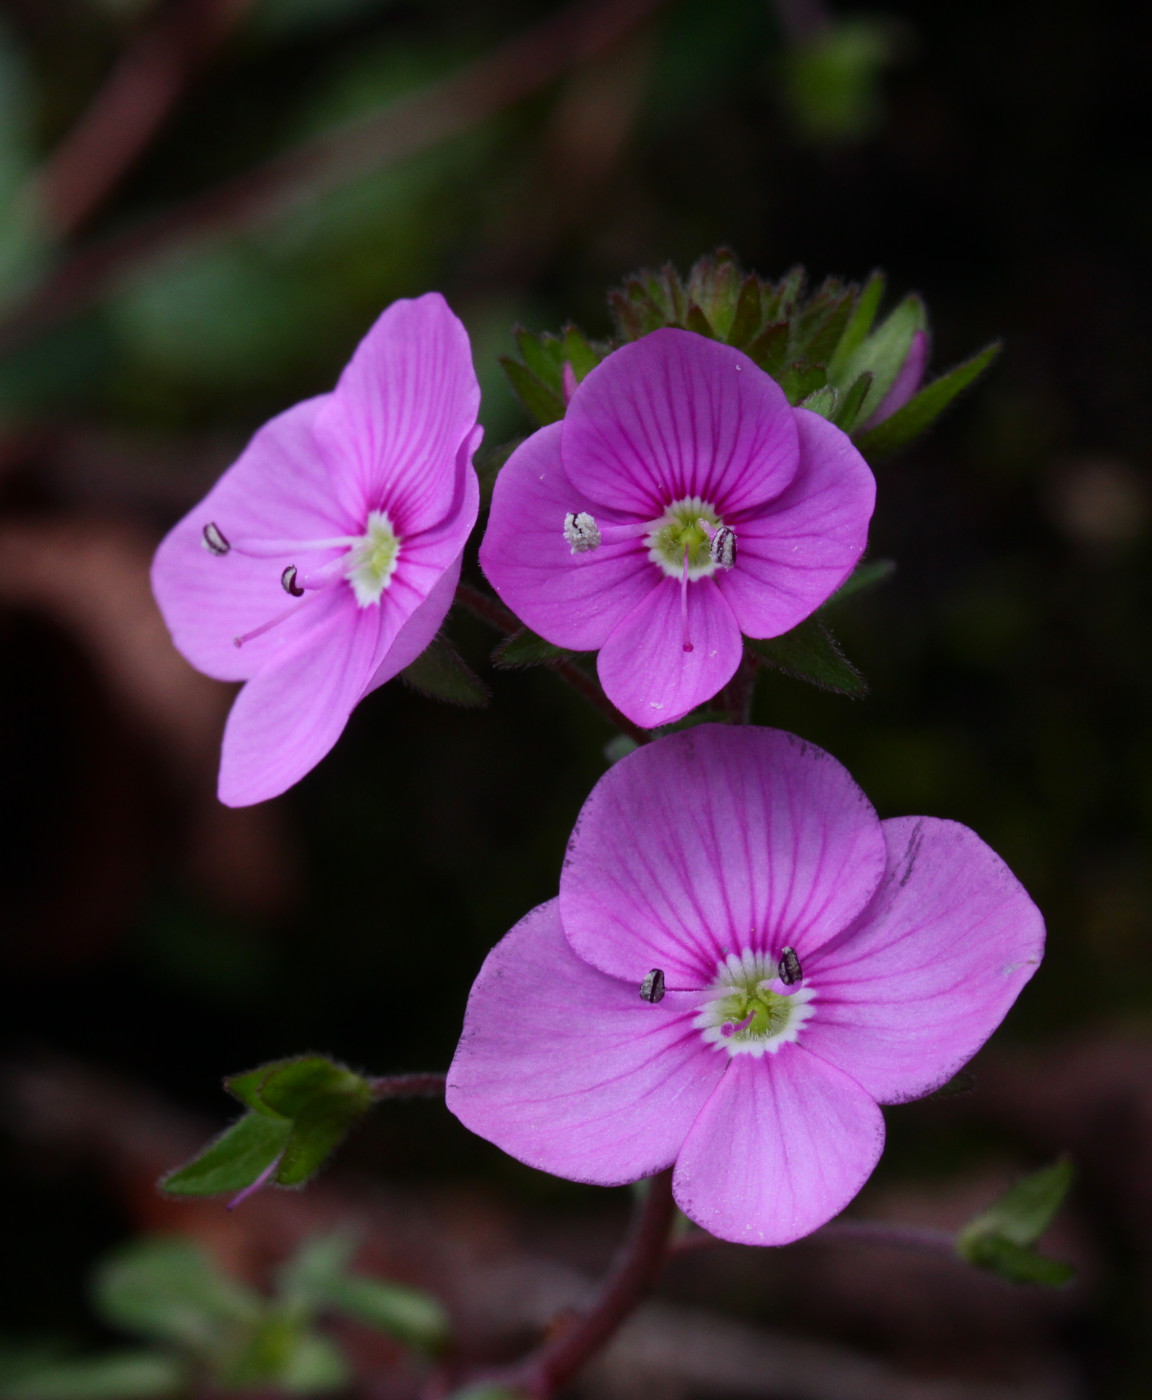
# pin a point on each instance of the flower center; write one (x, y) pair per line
(678, 541)
(749, 1009)
(371, 562)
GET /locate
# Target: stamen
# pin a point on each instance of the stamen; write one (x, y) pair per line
(729, 1028)
(266, 626)
(652, 987)
(288, 582)
(581, 532)
(684, 602)
(790, 970)
(269, 549)
(213, 540)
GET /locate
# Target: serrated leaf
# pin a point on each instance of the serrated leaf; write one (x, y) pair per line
(820, 329)
(786, 294)
(920, 412)
(1026, 1209)
(811, 653)
(823, 402)
(698, 322)
(117, 1375)
(442, 674)
(169, 1290)
(848, 414)
(714, 286)
(541, 403)
(858, 326)
(1018, 1263)
(865, 575)
(525, 648)
(883, 352)
(770, 348)
(801, 379)
(317, 1131)
(234, 1160)
(747, 319)
(580, 352)
(543, 355)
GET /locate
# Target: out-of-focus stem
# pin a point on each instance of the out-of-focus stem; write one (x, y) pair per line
(408, 1086)
(498, 616)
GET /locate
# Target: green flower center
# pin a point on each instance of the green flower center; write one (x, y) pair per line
(679, 529)
(745, 1014)
(372, 561)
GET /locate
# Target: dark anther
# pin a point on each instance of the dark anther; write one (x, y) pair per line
(288, 582)
(652, 987)
(790, 969)
(214, 541)
(722, 550)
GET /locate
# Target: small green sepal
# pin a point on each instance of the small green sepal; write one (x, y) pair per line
(440, 673)
(811, 653)
(1000, 1239)
(920, 412)
(525, 648)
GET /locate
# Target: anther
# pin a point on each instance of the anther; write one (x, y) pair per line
(213, 540)
(581, 532)
(722, 547)
(790, 970)
(288, 582)
(652, 987)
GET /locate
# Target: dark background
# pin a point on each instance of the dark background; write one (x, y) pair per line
(992, 157)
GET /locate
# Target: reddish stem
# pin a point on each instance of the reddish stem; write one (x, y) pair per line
(408, 1086)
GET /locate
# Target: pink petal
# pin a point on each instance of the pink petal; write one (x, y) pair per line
(643, 666)
(290, 714)
(713, 840)
(418, 631)
(795, 552)
(569, 1070)
(906, 383)
(279, 488)
(574, 600)
(406, 401)
(676, 415)
(932, 966)
(782, 1146)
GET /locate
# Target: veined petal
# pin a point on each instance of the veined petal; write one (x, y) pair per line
(574, 600)
(712, 841)
(676, 415)
(796, 551)
(404, 404)
(280, 487)
(422, 625)
(290, 714)
(643, 666)
(781, 1147)
(911, 992)
(569, 1070)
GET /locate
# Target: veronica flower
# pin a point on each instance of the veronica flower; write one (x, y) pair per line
(742, 964)
(325, 558)
(681, 502)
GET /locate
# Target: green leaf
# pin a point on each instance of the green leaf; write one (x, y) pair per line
(580, 352)
(169, 1290)
(883, 353)
(823, 401)
(284, 1353)
(542, 403)
(920, 412)
(1000, 1238)
(442, 674)
(801, 379)
(848, 414)
(810, 653)
(747, 319)
(1018, 1263)
(697, 321)
(770, 348)
(714, 284)
(865, 575)
(234, 1160)
(618, 747)
(525, 648)
(859, 325)
(543, 355)
(117, 1375)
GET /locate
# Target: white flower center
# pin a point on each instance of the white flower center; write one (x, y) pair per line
(748, 1011)
(680, 529)
(371, 562)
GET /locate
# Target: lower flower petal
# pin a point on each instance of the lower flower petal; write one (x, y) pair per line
(643, 666)
(782, 1146)
(290, 714)
(570, 1070)
(910, 992)
(574, 600)
(795, 552)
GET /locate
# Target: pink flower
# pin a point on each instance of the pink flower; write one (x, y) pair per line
(907, 382)
(681, 502)
(325, 558)
(814, 961)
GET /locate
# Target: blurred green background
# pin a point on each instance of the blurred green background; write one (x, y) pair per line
(986, 155)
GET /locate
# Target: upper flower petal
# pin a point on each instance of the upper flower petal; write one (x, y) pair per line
(643, 666)
(677, 415)
(574, 600)
(783, 1145)
(930, 969)
(290, 714)
(797, 550)
(280, 487)
(569, 1070)
(405, 402)
(713, 840)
